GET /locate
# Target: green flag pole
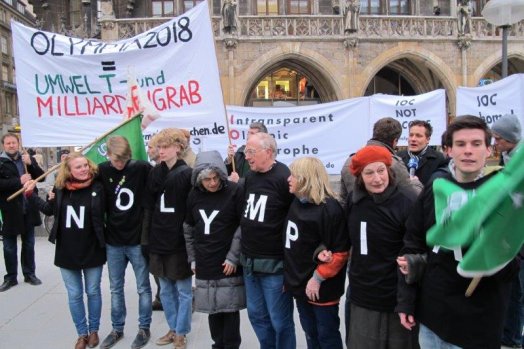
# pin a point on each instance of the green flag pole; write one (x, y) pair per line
(54, 168)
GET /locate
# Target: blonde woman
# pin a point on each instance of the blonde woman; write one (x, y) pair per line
(315, 253)
(78, 204)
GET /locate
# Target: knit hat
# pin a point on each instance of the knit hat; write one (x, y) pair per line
(508, 127)
(368, 155)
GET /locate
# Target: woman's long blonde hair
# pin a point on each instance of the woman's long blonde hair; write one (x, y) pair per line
(64, 171)
(312, 180)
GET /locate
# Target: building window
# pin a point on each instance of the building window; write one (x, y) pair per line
(75, 13)
(163, 8)
(2, 16)
(382, 7)
(20, 7)
(5, 72)
(267, 7)
(284, 87)
(477, 6)
(399, 7)
(8, 103)
(189, 4)
(3, 45)
(10, 2)
(370, 7)
(298, 7)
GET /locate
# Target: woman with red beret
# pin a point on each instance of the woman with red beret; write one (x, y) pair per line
(377, 211)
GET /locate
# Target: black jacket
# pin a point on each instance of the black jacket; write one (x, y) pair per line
(376, 224)
(428, 164)
(13, 211)
(438, 301)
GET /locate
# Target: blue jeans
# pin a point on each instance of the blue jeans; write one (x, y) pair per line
(177, 299)
(270, 310)
(117, 259)
(429, 340)
(27, 255)
(75, 292)
(320, 324)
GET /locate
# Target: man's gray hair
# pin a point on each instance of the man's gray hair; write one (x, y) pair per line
(259, 126)
(267, 141)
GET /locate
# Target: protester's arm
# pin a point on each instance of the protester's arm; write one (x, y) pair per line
(189, 231)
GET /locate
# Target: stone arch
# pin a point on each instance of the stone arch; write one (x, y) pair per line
(311, 63)
(431, 61)
(491, 61)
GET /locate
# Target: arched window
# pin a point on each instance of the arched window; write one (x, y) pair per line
(391, 82)
(283, 87)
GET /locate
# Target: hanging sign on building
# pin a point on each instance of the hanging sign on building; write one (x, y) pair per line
(494, 100)
(71, 90)
(430, 107)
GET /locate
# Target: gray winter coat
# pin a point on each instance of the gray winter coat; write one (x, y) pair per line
(225, 294)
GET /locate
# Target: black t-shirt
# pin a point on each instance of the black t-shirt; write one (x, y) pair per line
(166, 196)
(77, 246)
(221, 211)
(124, 190)
(309, 226)
(267, 199)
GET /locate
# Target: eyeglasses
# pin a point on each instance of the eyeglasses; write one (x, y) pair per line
(250, 152)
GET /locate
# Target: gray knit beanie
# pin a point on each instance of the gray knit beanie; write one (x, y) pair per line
(508, 127)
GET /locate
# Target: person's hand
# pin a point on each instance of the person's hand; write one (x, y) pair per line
(230, 152)
(403, 265)
(312, 289)
(25, 178)
(325, 256)
(234, 177)
(51, 195)
(229, 268)
(29, 186)
(26, 158)
(407, 321)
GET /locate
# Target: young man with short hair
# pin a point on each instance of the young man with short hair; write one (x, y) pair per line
(437, 301)
(167, 190)
(419, 152)
(124, 182)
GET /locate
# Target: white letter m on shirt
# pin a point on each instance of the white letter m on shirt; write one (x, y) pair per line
(257, 208)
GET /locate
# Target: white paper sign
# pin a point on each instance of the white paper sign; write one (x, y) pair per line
(430, 107)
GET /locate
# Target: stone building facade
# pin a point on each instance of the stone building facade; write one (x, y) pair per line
(10, 10)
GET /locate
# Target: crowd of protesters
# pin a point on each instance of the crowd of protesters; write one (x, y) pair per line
(262, 236)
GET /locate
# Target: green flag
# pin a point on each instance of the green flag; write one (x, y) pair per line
(131, 130)
(488, 221)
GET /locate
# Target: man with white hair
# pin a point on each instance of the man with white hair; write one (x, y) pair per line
(267, 200)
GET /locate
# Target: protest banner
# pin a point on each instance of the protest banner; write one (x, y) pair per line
(329, 131)
(430, 107)
(492, 101)
(77, 91)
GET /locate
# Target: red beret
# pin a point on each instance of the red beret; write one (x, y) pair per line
(368, 155)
